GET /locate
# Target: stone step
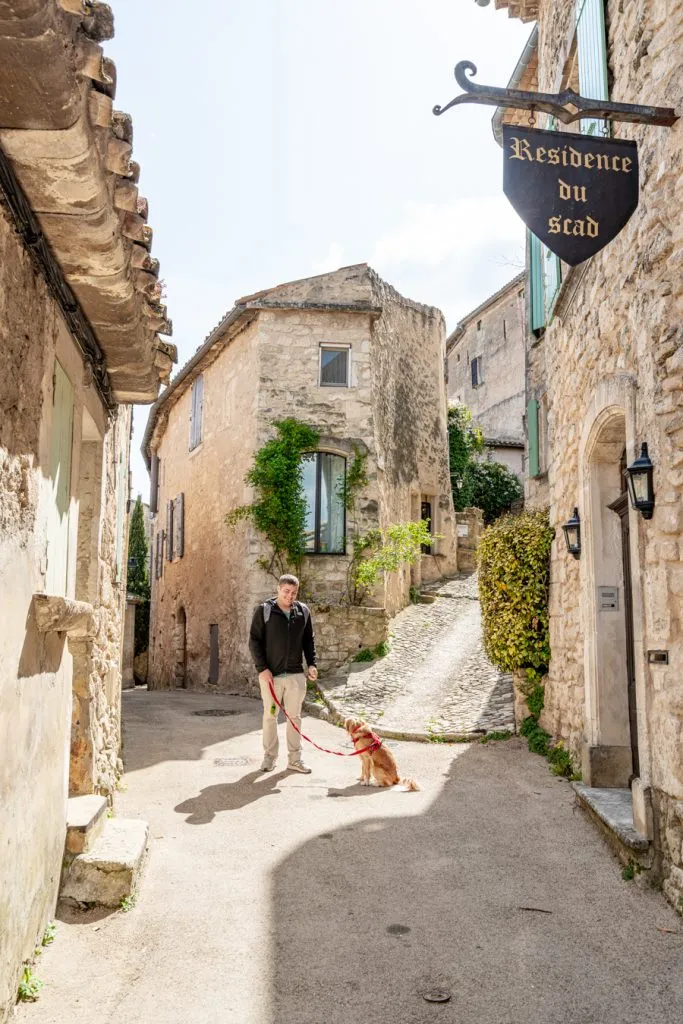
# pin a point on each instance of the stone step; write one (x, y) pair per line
(85, 818)
(110, 870)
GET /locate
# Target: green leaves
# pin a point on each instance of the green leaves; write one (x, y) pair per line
(514, 577)
(493, 488)
(397, 545)
(279, 511)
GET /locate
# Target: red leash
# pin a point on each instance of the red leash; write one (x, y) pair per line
(376, 741)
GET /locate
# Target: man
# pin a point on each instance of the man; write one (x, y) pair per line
(281, 632)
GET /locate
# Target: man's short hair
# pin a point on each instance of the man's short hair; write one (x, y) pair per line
(288, 578)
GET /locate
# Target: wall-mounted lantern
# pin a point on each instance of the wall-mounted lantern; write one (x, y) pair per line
(572, 534)
(640, 487)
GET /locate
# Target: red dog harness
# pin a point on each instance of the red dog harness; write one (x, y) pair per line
(376, 741)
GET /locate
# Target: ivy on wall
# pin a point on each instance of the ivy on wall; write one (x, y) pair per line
(279, 511)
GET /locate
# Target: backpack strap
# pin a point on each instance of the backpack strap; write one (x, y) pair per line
(267, 609)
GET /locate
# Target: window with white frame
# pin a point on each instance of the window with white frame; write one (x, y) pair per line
(324, 482)
(196, 412)
(335, 366)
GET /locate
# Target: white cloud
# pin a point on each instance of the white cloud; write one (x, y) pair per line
(431, 234)
(331, 261)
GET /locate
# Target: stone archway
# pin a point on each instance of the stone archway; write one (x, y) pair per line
(180, 648)
(611, 730)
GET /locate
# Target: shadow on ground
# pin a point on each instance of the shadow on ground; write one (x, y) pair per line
(497, 896)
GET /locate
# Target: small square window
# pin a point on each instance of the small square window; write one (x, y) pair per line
(334, 366)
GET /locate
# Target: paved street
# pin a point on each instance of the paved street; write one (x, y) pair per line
(289, 899)
(436, 678)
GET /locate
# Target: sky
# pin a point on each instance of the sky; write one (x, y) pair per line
(283, 138)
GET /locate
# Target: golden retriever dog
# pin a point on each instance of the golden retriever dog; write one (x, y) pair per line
(376, 760)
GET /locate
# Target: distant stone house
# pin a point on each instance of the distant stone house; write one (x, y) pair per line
(485, 372)
(348, 355)
(604, 376)
(79, 314)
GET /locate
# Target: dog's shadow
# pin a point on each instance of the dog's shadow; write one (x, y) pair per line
(355, 789)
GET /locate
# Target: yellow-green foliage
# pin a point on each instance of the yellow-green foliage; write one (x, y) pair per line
(514, 571)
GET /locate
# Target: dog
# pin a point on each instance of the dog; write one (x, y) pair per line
(375, 759)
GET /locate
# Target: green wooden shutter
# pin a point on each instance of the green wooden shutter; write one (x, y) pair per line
(536, 303)
(532, 438)
(552, 276)
(591, 40)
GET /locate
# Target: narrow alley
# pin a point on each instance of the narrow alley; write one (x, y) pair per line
(288, 899)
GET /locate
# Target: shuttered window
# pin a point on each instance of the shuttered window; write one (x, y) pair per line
(196, 412)
(532, 438)
(591, 45)
(179, 526)
(477, 371)
(169, 530)
(159, 568)
(536, 300)
(154, 486)
(552, 277)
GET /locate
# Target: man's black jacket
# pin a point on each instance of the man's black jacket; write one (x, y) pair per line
(279, 643)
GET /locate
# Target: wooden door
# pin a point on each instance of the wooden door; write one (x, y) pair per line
(620, 506)
(60, 483)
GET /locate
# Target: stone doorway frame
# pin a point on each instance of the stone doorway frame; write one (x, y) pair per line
(614, 400)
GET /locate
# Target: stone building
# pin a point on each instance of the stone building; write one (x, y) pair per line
(346, 354)
(79, 315)
(485, 370)
(606, 374)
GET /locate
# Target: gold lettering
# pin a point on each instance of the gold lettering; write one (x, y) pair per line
(566, 225)
(626, 163)
(575, 157)
(603, 162)
(540, 155)
(553, 156)
(616, 160)
(593, 227)
(588, 160)
(554, 226)
(565, 190)
(520, 149)
(578, 228)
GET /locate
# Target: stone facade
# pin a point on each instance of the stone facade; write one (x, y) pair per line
(493, 335)
(611, 366)
(469, 528)
(75, 291)
(262, 364)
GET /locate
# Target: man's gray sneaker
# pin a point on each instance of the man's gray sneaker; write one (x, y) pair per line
(267, 764)
(299, 766)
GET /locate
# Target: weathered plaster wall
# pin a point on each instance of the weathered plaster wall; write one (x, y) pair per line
(37, 670)
(618, 330)
(496, 333)
(209, 582)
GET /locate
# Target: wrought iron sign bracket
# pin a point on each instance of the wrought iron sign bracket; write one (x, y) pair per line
(566, 106)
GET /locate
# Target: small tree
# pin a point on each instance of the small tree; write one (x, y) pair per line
(397, 545)
(494, 489)
(138, 575)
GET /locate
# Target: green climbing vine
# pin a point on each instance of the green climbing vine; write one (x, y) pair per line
(279, 511)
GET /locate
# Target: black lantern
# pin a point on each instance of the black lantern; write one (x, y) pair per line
(572, 534)
(640, 487)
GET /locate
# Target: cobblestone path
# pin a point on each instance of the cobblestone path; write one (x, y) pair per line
(436, 678)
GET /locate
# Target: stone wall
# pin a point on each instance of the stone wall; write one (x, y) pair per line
(342, 631)
(617, 337)
(495, 332)
(41, 674)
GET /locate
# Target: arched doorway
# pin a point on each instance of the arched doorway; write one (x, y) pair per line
(611, 709)
(180, 645)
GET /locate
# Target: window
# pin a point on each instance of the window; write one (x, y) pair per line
(532, 424)
(334, 365)
(196, 412)
(324, 481)
(478, 325)
(477, 375)
(591, 49)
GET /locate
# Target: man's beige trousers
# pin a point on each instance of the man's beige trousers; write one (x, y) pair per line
(290, 691)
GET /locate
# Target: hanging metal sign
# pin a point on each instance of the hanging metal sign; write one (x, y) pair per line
(575, 192)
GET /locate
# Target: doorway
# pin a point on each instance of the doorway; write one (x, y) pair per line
(180, 644)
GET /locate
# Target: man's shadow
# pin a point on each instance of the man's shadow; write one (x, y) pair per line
(229, 796)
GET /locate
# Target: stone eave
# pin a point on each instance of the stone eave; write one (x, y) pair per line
(503, 442)
(460, 327)
(525, 10)
(71, 154)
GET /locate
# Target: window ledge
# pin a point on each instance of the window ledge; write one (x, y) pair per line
(197, 448)
(62, 615)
